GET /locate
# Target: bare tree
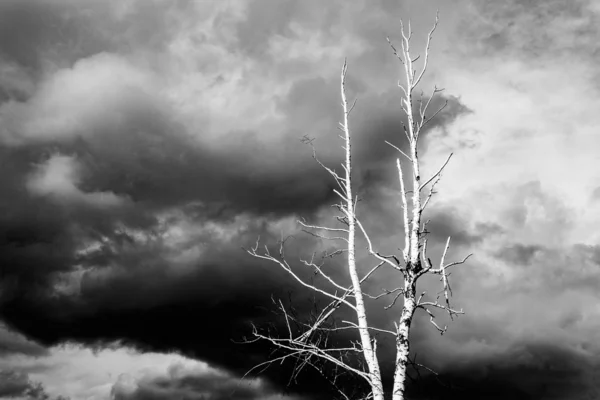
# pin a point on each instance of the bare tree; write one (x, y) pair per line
(308, 342)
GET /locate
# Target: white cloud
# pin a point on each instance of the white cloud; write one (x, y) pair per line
(58, 178)
(73, 102)
(118, 372)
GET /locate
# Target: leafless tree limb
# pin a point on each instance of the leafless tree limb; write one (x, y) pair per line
(399, 150)
(406, 222)
(437, 174)
(429, 37)
(284, 264)
(382, 258)
(317, 268)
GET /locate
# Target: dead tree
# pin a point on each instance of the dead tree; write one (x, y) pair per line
(306, 342)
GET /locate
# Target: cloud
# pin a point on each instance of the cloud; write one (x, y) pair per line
(533, 29)
(76, 100)
(120, 372)
(527, 371)
(57, 178)
(14, 343)
(191, 381)
(144, 142)
(13, 384)
(18, 385)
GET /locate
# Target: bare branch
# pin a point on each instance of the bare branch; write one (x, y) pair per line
(331, 381)
(298, 348)
(425, 120)
(320, 236)
(437, 174)
(458, 262)
(423, 110)
(323, 316)
(320, 272)
(267, 363)
(425, 260)
(399, 150)
(283, 264)
(436, 304)
(386, 292)
(385, 259)
(431, 319)
(339, 194)
(406, 250)
(396, 53)
(338, 179)
(287, 320)
(355, 326)
(432, 191)
(352, 106)
(334, 253)
(444, 274)
(368, 274)
(393, 303)
(429, 37)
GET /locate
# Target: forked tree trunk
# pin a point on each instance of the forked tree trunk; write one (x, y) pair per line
(411, 266)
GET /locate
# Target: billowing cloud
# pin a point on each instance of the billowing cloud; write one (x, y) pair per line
(143, 143)
(121, 372)
(17, 385)
(191, 381)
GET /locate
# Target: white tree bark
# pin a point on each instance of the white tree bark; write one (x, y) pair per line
(367, 342)
(402, 340)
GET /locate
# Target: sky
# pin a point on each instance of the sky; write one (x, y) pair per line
(144, 143)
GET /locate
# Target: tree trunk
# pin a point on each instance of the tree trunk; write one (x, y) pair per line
(369, 351)
(402, 340)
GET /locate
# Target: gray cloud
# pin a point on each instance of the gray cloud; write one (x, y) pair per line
(15, 384)
(180, 381)
(136, 161)
(519, 254)
(14, 343)
(530, 30)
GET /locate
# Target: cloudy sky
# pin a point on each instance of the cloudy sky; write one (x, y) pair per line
(144, 142)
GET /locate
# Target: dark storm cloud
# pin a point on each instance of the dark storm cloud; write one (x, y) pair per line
(97, 156)
(14, 343)
(39, 237)
(532, 371)
(118, 143)
(98, 167)
(141, 296)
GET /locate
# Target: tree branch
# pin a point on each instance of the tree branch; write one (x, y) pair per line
(406, 251)
(283, 264)
(384, 259)
(429, 37)
(437, 174)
